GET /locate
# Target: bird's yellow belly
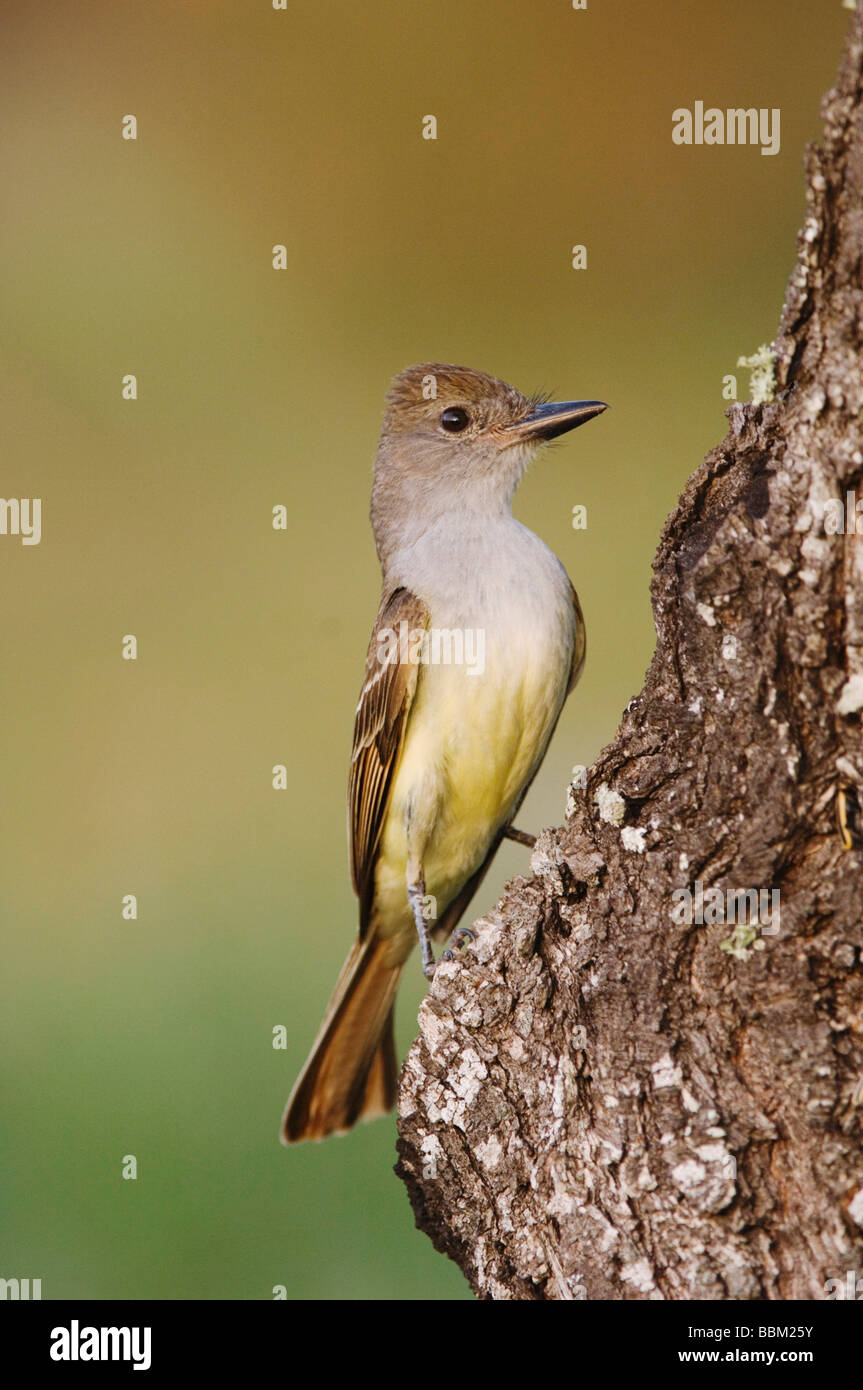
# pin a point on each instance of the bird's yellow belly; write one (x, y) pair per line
(473, 743)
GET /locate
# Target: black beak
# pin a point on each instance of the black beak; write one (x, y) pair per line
(548, 421)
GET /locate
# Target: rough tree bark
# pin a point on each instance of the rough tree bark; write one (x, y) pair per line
(603, 1102)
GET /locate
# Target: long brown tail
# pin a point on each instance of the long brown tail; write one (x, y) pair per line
(351, 1072)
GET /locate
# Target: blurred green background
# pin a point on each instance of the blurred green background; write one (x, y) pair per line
(258, 387)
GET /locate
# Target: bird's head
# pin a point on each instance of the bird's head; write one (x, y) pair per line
(454, 438)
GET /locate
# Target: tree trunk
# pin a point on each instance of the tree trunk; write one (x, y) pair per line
(609, 1099)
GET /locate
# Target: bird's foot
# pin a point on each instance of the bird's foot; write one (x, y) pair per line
(459, 938)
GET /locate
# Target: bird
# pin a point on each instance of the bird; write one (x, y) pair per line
(479, 638)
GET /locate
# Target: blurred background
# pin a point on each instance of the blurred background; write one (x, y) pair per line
(258, 387)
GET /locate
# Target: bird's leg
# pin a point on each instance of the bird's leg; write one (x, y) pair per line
(419, 906)
(520, 836)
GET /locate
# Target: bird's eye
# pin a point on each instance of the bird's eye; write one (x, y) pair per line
(454, 419)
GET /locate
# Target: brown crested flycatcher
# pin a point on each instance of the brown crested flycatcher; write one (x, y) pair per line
(478, 641)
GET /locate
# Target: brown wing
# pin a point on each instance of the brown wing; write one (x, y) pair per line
(579, 647)
(379, 730)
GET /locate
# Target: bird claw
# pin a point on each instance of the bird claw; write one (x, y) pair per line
(460, 937)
